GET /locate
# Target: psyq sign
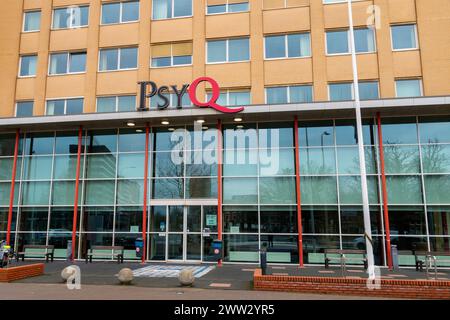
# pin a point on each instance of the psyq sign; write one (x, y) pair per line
(189, 89)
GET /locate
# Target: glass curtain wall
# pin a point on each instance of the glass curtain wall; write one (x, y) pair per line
(259, 201)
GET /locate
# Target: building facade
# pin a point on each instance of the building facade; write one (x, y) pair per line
(96, 102)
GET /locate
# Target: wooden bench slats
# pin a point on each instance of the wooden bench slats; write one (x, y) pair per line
(94, 251)
(48, 251)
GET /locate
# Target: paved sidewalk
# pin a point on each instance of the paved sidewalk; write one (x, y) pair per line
(40, 291)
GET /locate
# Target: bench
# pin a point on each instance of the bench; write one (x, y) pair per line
(105, 251)
(344, 256)
(430, 258)
(33, 250)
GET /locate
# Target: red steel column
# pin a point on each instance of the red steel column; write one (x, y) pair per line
(384, 192)
(77, 188)
(144, 212)
(299, 197)
(13, 183)
(219, 182)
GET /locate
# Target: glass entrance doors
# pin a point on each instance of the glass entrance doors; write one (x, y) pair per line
(179, 233)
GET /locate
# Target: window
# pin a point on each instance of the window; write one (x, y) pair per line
(168, 9)
(118, 59)
(226, 6)
(338, 42)
(28, 66)
(116, 104)
(31, 21)
(173, 100)
(404, 37)
(291, 94)
(232, 97)
(67, 62)
(368, 90)
(24, 109)
(70, 17)
(168, 55)
(287, 46)
(408, 88)
(275, 4)
(120, 12)
(229, 50)
(64, 106)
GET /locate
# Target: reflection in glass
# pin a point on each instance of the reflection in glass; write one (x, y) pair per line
(399, 131)
(240, 163)
(168, 164)
(240, 190)
(401, 159)
(101, 166)
(434, 130)
(436, 158)
(99, 192)
(276, 162)
(437, 189)
(318, 190)
(168, 188)
(201, 188)
(37, 168)
(35, 193)
(280, 190)
(131, 165)
(130, 191)
(404, 189)
(317, 161)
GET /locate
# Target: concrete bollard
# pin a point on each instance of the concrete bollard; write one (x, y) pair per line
(67, 272)
(186, 277)
(125, 276)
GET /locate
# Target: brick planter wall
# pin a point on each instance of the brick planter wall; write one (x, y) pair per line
(414, 289)
(21, 272)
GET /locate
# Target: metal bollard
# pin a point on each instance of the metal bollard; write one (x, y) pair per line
(263, 261)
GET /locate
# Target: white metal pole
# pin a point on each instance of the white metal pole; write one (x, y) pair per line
(362, 158)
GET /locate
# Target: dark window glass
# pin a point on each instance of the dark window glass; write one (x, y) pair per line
(24, 109)
(98, 219)
(129, 219)
(320, 219)
(407, 220)
(240, 219)
(282, 219)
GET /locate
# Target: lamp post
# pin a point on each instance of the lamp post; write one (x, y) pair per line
(325, 133)
(362, 158)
